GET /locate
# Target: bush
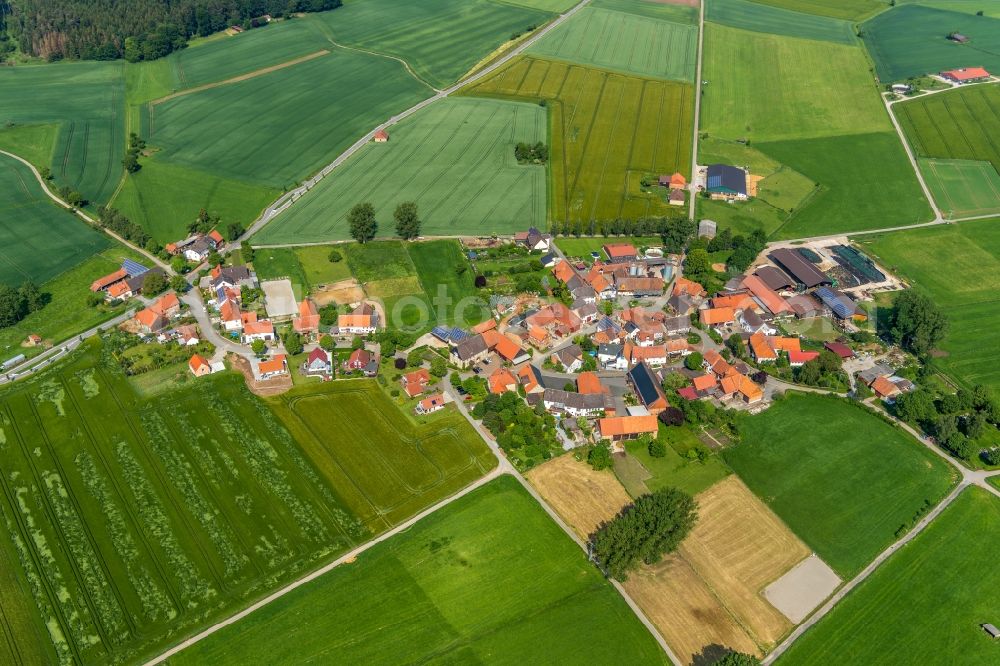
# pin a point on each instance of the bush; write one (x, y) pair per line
(399, 363)
(694, 361)
(657, 449)
(600, 457)
(335, 256)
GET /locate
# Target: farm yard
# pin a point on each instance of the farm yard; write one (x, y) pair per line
(454, 159)
(84, 100)
(615, 38)
(823, 481)
(607, 132)
(962, 188)
(966, 291)
(38, 239)
(759, 17)
(456, 591)
(912, 40)
(925, 604)
(147, 532)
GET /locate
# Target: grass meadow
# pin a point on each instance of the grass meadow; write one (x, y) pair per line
(135, 521)
(967, 6)
(911, 40)
(962, 188)
(453, 590)
(607, 131)
(441, 40)
(38, 239)
(959, 124)
(85, 100)
(844, 480)
(849, 10)
(925, 604)
(303, 127)
(766, 18)
(967, 290)
(454, 159)
(616, 39)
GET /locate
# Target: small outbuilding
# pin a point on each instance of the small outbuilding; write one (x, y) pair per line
(381, 136)
(958, 37)
(990, 629)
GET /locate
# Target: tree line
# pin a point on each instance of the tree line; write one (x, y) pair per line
(674, 232)
(131, 29)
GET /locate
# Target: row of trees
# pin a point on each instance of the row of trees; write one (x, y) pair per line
(113, 220)
(674, 232)
(363, 226)
(135, 147)
(133, 29)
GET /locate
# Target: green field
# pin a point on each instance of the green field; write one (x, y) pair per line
(86, 101)
(544, 5)
(222, 130)
(38, 239)
(768, 87)
(455, 159)
(318, 268)
(925, 604)
(624, 42)
(967, 6)
(441, 40)
(911, 40)
(967, 290)
(959, 124)
(451, 589)
(132, 521)
(844, 480)
(759, 17)
(607, 131)
(672, 470)
(165, 198)
(866, 182)
(962, 188)
(850, 10)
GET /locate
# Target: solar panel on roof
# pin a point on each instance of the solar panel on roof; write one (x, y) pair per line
(133, 268)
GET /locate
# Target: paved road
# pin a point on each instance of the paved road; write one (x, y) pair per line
(291, 197)
(222, 343)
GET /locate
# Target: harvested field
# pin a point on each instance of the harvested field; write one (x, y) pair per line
(582, 497)
(803, 588)
(345, 291)
(739, 547)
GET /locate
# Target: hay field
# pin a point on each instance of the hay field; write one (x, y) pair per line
(963, 188)
(624, 42)
(603, 127)
(303, 126)
(959, 124)
(925, 604)
(440, 39)
(38, 239)
(454, 159)
(582, 497)
(759, 17)
(451, 589)
(85, 100)
(911, 40)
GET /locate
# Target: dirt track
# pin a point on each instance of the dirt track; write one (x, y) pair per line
(265, 388)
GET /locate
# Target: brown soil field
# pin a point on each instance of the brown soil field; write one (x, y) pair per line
(343, 292)
(267, 387)
(739, 546)
(684, 609)
(582, 497)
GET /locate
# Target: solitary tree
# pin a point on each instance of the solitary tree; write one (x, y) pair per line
(335, 256)
(258, 347)
(328, 314)
(293, 343)
(362, 223)
(327, 343)
(600, 457)
(693, 361)
(154, 284)
(407, 220)
(178, 284)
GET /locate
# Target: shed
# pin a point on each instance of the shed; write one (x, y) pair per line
(991, 630)
(774, 278)
(381, 136)
(792, 262)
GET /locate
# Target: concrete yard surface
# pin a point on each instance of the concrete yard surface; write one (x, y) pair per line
(279, 298)
(803, 588)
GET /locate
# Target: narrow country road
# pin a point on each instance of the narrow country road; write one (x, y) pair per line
(287, 199)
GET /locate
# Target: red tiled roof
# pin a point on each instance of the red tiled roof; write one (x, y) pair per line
(684, 286)
(276, 364)
(884, 388)
(501, 381)
(619, 250)
(713, 316)
(966, 73)
(614, 426)
(796, 357)
(771, 300)
(840, 349)
(688, 393)
(704, 382)
(589, 382)
(111, 278)
(197, 362)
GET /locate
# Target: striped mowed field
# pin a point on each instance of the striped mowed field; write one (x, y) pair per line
(455, 159)
(962, 188)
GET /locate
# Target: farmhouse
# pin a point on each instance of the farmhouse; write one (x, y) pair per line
(273, 367)
(362, 320)
(571, 358)
(430, 405)
(639, 286)
(506, 348)
(362, 360)
(620, 253)
(156, 317)
(726, 182)
(533, 239)
(254, 329)
(577, 404)
(647, 388)
(589, 382)
(686, 287)
(739, 386)
(416, 382)
(677, 180)
(230, 315)
(103, 283)
(766, 296)
(318, 363)
(618, 428)
(530, 378)
(307, 323)
(199, 366)
(470, 351)
(966, 75)
(798, 358)
(774, 278)
(232, 277)
(502, 381)
(676, 197)
(717, 317)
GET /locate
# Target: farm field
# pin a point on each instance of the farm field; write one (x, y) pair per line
(607, 130)
(959, 124)
(767, 18)
(962, 188)
(164, 198)
(154, 533)
(911, 40)
(454, 159)
(925, 604)
(38, 239)
(866, 182)
(767, 87)
(455, 590)
(31, 142)
(967, 6)
(849, 10)
(966, 291)
(294, 137)
(823, 481)
(556, 6)
(583, 497)
(616, 39)
(440, 40)
(86, 101)
(672, 470)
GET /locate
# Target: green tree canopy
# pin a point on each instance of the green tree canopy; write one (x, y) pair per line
(917, 324)
(407, 220)
(738, 659)
(155, 283)
(362, 223)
